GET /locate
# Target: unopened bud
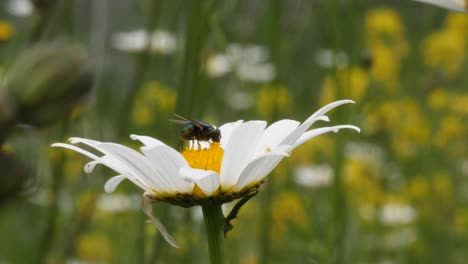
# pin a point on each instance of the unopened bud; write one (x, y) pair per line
(47, 81)
(13, 176)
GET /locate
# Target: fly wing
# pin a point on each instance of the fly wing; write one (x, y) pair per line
(179, 122)
(184, 120)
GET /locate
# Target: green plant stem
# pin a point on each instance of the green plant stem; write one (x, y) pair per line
(214, 219)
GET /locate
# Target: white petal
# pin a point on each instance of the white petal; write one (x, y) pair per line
(258, 169)
(89, 167)
(147, 207)
(167, 162)
(319, 131)
(456, 5)
(318, 115)
(323, 118)
(209, 184)
(113, 182)
(148, 141)
(136, 164)
(275, 133)
(239, 151)
(226, 131)
(108, 161)
(77, 149)
(327, 108)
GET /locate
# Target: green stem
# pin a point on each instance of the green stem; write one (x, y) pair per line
(214, 219)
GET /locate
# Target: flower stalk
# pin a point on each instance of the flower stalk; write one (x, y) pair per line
(214, 221)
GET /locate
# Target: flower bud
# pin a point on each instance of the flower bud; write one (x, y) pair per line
(47, 81)
(13, 176)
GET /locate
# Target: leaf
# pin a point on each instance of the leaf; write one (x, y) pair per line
(233, 214)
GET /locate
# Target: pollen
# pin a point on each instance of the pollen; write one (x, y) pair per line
(205, 159)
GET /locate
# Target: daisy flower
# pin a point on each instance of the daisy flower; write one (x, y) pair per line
(205, 173)
(455, 5)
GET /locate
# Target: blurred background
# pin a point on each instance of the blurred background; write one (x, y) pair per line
(395, 193)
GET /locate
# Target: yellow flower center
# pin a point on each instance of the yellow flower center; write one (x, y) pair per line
(205, 159)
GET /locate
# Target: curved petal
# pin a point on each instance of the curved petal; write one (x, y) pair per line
(318, 115)
(226, 131)
(327, 108)
(319, 131)
(258, 169)
(147, 141)
(108, 161)
(89, 167)
(275, 133)
(239, 151)
(77, 149)
(147, 208)
(113, 182)
(455, 5)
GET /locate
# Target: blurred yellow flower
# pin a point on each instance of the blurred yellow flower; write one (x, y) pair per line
(457, 22)
(385, 67)
(384, 23)
(7, 30)
(418, 188)
(361, 179)
(288, 210)
(404, 122)
(443, 188)
(459, 104)
(460, 225)
(153, 99)
(438, 99)
(444, 50)
(353, 82)
(384, 27)
(450, 129)
(273, 99)
(94, 247)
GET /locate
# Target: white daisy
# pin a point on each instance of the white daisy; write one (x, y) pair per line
(216, 172)
(455, 5)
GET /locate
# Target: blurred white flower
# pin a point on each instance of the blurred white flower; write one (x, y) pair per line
(314, 176)
(249, 62)
(132, 41)
(455, 5)
(218, 65)
(260, 73)
(20, 7)
(239, 100)
(327, 58)
(118, 203)
(249, 54)
(163, 42)
(364, 151)
(390, 214)
(397, 214)
(464, 168)
(158, 42)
